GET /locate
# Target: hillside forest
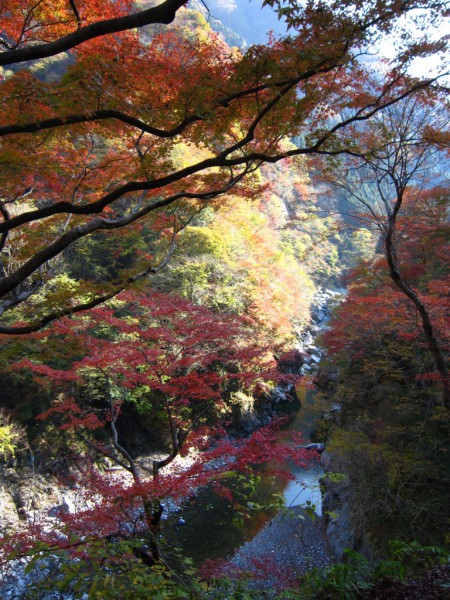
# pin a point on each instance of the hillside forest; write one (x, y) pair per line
(201, 234)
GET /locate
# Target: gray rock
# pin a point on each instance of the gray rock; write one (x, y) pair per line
(318, 447)
(278, 395)
(341, 531)
(318, 316)
(60, 509)
(293, 541)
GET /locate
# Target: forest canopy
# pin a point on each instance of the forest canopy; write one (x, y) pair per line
(96, 147)
(170, 206)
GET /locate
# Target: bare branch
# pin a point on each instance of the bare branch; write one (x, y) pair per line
(73, 6)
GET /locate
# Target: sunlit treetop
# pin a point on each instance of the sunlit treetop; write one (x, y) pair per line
(96, 147)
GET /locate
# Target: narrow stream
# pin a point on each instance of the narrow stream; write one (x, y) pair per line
(207, 529)
(211, 526)
(306, 485)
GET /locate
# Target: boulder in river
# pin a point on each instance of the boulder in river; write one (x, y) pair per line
(290, 362)
(318, 447)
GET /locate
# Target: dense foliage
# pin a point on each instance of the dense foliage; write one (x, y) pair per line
(169, 205)
(69, 174)
(394, 443)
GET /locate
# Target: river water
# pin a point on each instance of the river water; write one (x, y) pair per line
(208, 527)
(211, 527)
(305, 487)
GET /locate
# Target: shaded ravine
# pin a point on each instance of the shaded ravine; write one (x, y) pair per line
(290, 541)
(204, 528)
(305, 487)
(294, 541)
(211, 527)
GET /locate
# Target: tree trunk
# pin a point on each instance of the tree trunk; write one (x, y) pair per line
(153, 512)
(427, 326)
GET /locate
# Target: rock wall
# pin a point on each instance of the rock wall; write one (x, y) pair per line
(337, 492)
(305, 358)
(337, 508)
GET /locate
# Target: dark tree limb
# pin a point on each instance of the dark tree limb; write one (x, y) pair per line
(105, 114)
(5, 214)
(162, 14)
(96, 225)
(223, 159)
(97, 115)
(401, 283)
(74, 8)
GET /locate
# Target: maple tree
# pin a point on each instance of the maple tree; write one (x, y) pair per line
(123, 146)
(389, 338)
(248, 257)
(180, 364)
(69, 173)
(393, 439)
(401, 167)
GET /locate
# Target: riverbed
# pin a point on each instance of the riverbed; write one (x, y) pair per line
(294, 541)
(290, 541)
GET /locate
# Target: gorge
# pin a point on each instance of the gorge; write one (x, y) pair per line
(176, 207)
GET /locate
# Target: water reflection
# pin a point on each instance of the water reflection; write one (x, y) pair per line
(305, 488)
(209, 530)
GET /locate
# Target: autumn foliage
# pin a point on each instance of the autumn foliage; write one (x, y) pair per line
(379, 308)
(176, 363)
(154, 261)
(94, 149)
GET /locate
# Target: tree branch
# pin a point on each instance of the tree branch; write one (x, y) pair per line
(221, 160)
(162, 14)
(98, 224)
(74, 8)
(97, 115)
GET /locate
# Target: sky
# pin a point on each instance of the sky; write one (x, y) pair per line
(247, 18)
(252, 23)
